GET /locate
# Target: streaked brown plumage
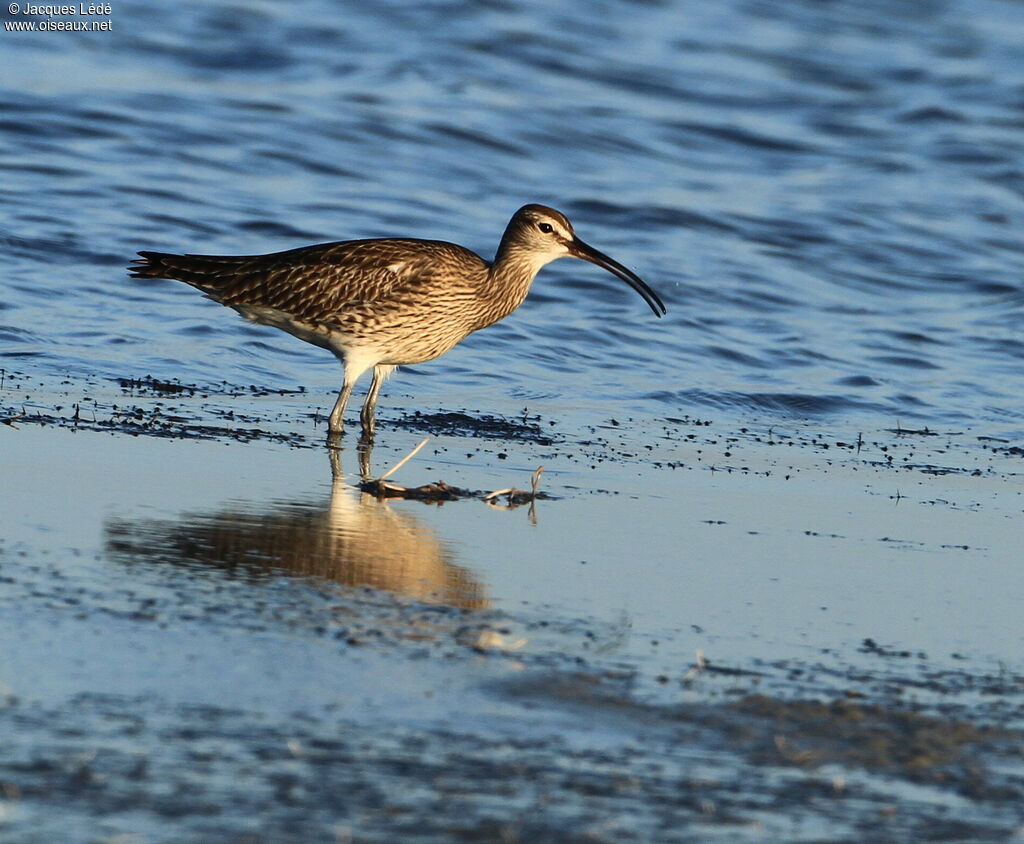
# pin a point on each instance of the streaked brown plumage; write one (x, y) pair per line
(384, 303)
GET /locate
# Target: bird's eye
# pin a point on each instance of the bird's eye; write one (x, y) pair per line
(547, 228)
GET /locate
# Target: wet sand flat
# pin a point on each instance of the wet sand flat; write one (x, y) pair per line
(730, 635)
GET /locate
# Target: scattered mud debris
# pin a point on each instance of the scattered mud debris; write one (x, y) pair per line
(437, 491)
(870, 646)
(171, 409)
(166, 409)
(440, 491)
(137, 421)
(148, 385)
(463, 424)
(900, 431)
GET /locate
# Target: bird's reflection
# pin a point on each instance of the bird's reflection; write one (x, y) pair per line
(350, 538)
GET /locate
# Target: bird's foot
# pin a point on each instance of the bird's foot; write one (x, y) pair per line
(369, 425)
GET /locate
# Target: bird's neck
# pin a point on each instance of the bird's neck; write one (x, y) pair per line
(509, 278)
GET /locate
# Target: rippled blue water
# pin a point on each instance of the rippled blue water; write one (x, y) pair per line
(828, 196)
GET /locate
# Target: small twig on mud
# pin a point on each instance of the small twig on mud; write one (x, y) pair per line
(510, 491)
(404, 460)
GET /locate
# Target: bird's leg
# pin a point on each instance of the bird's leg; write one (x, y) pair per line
(337, 422)
(366, 415)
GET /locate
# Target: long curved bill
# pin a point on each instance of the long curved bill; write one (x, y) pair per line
(579, 249)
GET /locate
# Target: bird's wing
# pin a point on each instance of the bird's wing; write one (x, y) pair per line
(313, 283)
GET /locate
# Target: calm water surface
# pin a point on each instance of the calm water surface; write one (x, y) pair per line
(829, 198)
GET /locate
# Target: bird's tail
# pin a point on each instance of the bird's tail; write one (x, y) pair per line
(205, 272)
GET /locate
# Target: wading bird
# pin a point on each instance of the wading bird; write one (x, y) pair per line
(382, 303)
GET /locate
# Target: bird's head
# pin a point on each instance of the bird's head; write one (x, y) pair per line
(541, 235)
